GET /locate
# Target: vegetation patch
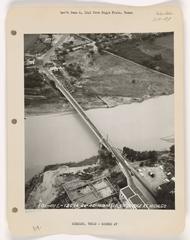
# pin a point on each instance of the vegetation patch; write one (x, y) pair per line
(148, 51)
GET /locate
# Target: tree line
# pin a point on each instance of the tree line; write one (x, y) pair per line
(133, 155)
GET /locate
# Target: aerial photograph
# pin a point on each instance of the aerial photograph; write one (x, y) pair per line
(99, 121)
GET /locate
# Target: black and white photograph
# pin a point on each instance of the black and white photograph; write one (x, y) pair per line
(99, 121)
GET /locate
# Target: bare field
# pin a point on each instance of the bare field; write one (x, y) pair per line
(109, 75)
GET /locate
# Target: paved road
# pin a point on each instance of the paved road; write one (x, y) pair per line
(46, 56)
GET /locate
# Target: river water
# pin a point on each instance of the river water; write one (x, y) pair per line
(63, 138)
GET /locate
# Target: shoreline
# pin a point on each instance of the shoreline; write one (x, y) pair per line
(54, 117)
(64, 112)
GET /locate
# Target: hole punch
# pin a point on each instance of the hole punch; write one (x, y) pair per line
(15, 209)
(13, 32)
(14, 121)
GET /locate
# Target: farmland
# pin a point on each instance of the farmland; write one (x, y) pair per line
(112, 76)
(155, 53)
(98, 78)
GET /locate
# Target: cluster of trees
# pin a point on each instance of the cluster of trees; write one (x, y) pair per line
(39, 46)
(74, 70)
(61, 57)
(31, 185)
(146, 36)
(86, 176)
(118, 180)
(106, 159)
(68, 44)
(102, 36)
(34, 79)
(133, 155)
(153, 62)
(172, 149)
(166, 195)
(157, 57)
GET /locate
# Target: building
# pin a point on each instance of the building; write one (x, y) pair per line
(54, 69)
(88, 192)
(30, 61)
(130, 199)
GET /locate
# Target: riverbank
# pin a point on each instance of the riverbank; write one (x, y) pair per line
(79, 182)
(105, 80)
(60, 184)
(64, 109)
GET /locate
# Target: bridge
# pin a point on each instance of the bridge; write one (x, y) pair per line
(134, 180)
(135, 183)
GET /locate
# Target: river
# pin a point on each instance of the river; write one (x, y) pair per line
(55, 139)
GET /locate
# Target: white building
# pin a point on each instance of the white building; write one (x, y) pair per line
(30, 61)
(130, 199)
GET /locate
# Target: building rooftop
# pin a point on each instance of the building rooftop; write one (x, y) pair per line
(128, 192)
(133, 198)
(89, 191)
(137, 201)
